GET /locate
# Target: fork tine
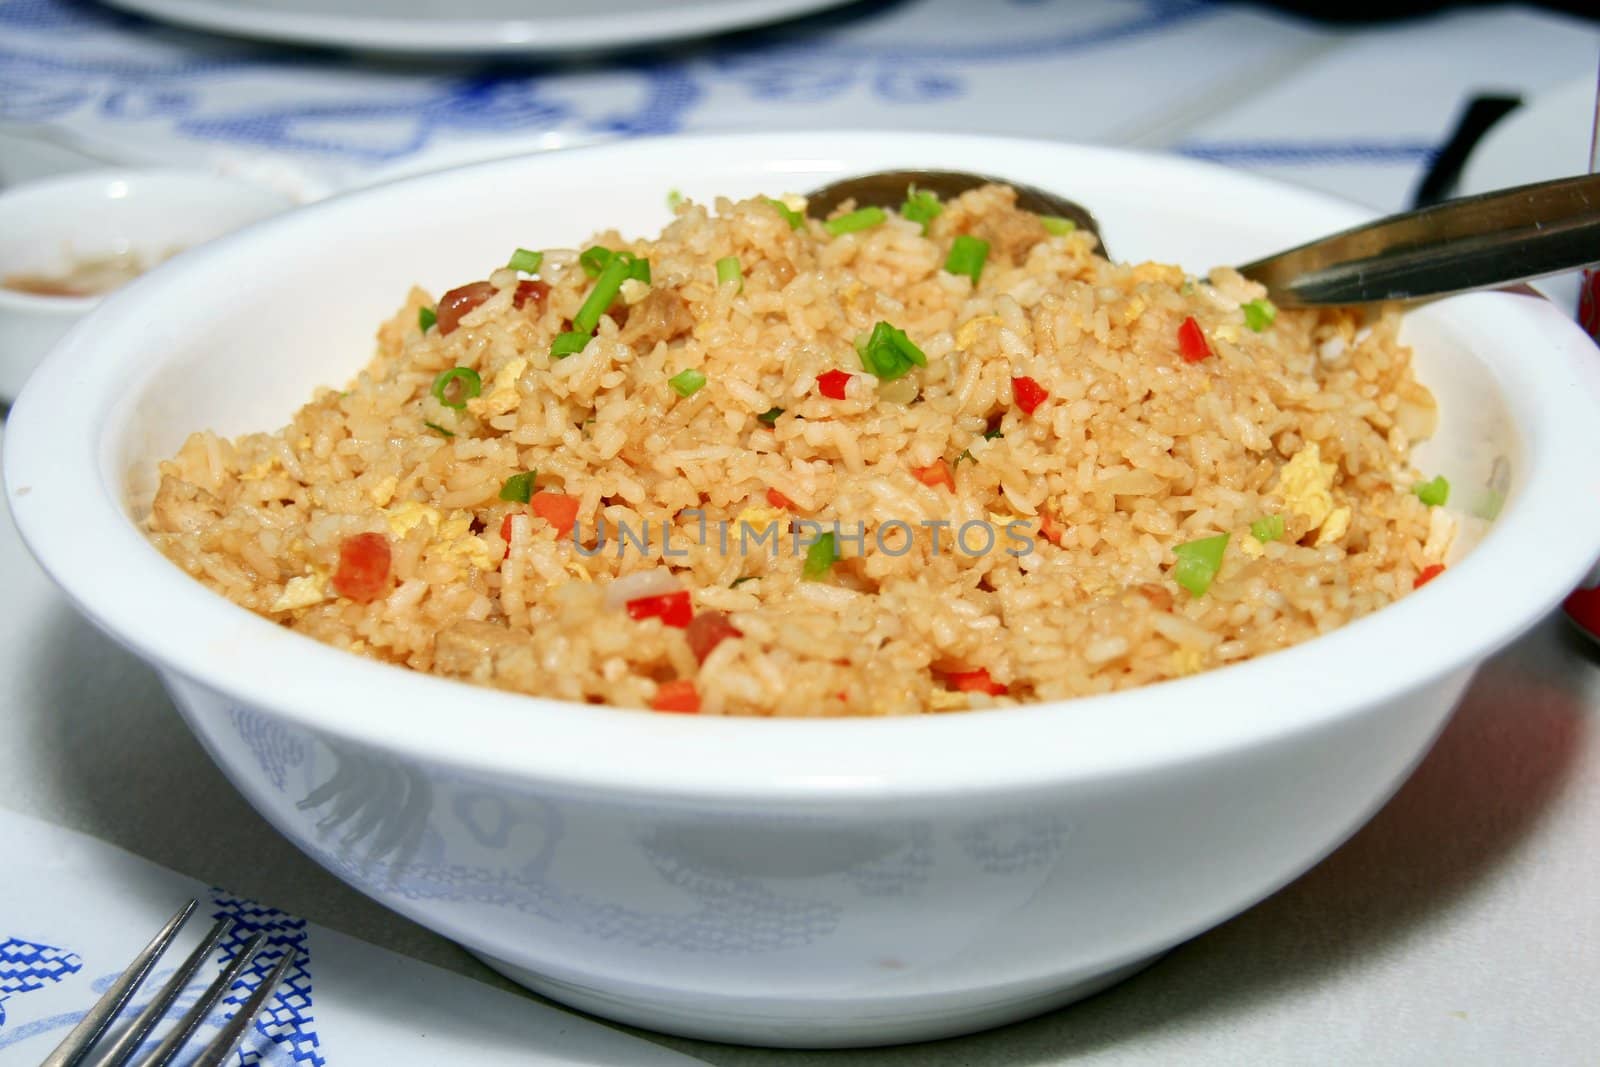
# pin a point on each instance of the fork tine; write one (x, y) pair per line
(156, 1010)
(196, 1015)
(213, 1054)
(83, 1036)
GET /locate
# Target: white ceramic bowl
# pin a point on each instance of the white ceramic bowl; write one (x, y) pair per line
(47, 226)
(788, 883)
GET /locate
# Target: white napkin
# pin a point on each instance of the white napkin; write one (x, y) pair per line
(74, 911)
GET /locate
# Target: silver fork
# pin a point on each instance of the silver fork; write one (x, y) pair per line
(95, 1025)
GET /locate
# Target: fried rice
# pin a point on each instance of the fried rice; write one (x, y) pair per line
(713, 505)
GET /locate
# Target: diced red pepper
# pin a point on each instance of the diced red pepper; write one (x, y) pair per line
(1192, 344)
(977, 681)
(363, 574)
(673, 609)
(778, 500)
(457, 302)
(936, 474)
(680, 696)
(708, 630)
(1050, 529)
(1428, 574)
(831, 384)
(1029, 394)
(529, 289)
(505, 534)
(558, 509)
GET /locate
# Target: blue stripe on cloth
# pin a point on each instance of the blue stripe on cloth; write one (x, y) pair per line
(1303, 153)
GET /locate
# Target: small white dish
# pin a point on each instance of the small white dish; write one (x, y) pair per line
(483, 26)
(146, 216)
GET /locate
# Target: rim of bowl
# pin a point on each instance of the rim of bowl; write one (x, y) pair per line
(66, 497)
(64, 190)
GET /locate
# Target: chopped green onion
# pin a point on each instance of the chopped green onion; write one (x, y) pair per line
(1055, 225)
(426, 317)
(1267, 528)
(618, 269)
(820, 557)
(687, 383)
(1258, 314)
(525, 261)
(888, 353)
(674, 198)
(519, 487)
(861, 219)
(729, 272)
(737, 582)
(967, 254)
(593, 260)
(921, 206)
(790, 215)
(966, 454)
(471, 386)
(1433, 493)
(1198, 563)
(569, 344)
(436, 428)
(990, 435)
(770, 416)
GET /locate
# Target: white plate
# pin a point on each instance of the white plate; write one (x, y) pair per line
(472, 25)
(1548, 138)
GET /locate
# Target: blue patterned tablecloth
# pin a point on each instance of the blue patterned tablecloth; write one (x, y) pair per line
(1357, 112)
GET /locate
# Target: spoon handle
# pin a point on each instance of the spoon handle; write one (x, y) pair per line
(1472, 243)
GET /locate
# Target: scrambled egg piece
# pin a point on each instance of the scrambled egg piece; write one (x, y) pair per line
(575, 569)
(383, 492)
(1160, 273)
(970, 329)
(302, 592)
(259, 471)
(501, 395)
(947, 700)
(1306, 485)
(794, 202)
(1186, 660)
(633, 291)
(456, 541)
(761, 518)
(1249, 545)
(1132, 310)
(1336, 526)
(406, 516)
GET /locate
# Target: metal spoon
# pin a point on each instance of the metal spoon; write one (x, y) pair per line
(1473, 243)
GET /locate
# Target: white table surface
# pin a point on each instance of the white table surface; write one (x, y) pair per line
(1461, 926)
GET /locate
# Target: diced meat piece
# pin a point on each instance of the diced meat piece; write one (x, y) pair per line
(457, 302)
(708, 630)
(662, 315)
(530, 289)
(363, 574)
(1011, 234)
(487, 653)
